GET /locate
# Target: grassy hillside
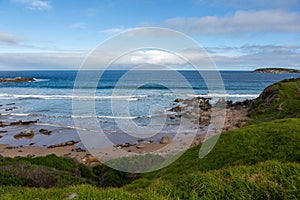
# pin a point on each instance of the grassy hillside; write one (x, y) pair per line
(280, 100)
(258, 161)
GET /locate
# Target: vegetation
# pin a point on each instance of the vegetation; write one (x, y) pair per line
(278, 101)
(276, 70)
(258, 161)
(53, 171)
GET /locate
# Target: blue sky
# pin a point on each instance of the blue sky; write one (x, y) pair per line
(238, 34)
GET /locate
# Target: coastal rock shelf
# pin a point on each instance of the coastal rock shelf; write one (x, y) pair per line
(17, 79)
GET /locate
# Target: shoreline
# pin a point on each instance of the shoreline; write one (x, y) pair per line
(236, 117)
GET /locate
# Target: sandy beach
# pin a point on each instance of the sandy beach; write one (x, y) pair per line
(61, 145)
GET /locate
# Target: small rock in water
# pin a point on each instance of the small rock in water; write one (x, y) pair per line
(3, 131)
(165, 140)
(45, 131)
(28, 122)
(27, 134)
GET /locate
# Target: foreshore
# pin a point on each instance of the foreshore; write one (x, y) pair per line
(62, 145)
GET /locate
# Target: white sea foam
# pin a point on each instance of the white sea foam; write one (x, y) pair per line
(112, 117)
(67, 97)
(40, 79)
(219, 95)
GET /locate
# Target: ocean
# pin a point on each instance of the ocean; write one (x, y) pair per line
(49, 98)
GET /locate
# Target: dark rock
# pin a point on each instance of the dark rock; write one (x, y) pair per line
(31, 144)
(69, 143)
(80, 150)
(3, 132)
(16, 123)
(28, 122)
(45, 131)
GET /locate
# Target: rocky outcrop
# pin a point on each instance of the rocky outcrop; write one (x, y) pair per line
(69, 143)
(276, 70)
(26, 134)
(20, 122)
(17, 79)
(198, 109)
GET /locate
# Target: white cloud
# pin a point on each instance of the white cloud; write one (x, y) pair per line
(151, 57)
(10, 39)
(247, 4)
(40, 61)
(113, 30)
(35, 4)
(241, 21)
(252, 56)
(80, 25)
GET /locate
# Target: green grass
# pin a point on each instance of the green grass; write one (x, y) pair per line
(276, 140)
(266, 180)
(82, 191)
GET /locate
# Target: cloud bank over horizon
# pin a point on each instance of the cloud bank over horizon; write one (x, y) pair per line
(238, 35)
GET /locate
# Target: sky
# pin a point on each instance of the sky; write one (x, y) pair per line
(237, 34)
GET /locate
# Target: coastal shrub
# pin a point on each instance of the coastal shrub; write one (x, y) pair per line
(27, 174)
(60, 163)
(8, 179)
(85, 171)
(108, 177)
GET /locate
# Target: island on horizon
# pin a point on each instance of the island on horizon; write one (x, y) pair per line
(275, 70)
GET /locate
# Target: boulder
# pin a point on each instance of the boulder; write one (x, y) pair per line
(140, 146)
(165, 140)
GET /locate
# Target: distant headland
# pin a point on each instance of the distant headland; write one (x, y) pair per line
(17, 79)
(276, 70)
